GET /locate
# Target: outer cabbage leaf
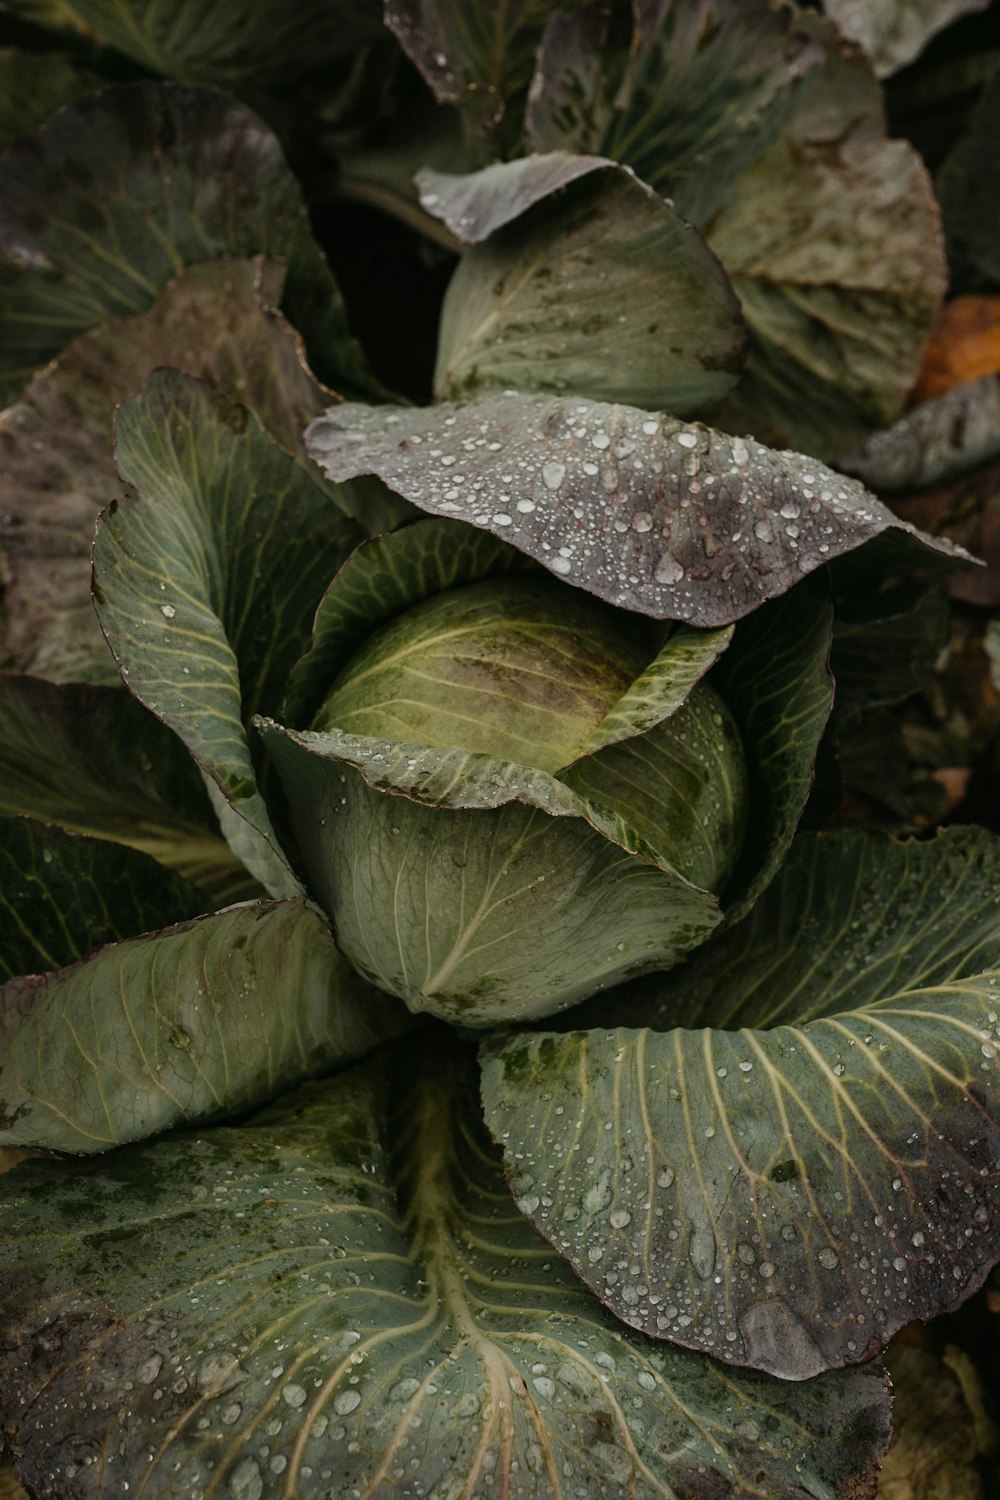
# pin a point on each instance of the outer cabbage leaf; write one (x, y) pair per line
(821, 1162)
(894, 32)
(581, 279)
(91, 760)
(206, 580)
(62, 895)
(215, 321)
(340, 1297)
(667, 518)
(204, 1019)
(109, 200)
(34, 85)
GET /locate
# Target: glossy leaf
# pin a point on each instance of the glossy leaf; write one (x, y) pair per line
(207, 578)
(511, 895)
(205, 1019)
(215, 321)
(370, 1313)
(596, 286)
(91, 760)
(107, 202)
(62, 895)
(670, 519)
(789, 1193)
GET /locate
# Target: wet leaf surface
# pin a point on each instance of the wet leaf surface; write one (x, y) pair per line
(342, 1294)
(667, 518)
(786, 1194)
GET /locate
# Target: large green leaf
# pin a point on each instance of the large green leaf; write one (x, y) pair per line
(474, 888)
(91, 760)
(340, 1299)
(789, 1193)
(686, 95)
(767, 131)
(581, 279)
(107, 202)
(232, 43)
(206, 582)
(203, 1019)
(62, 895)
(670, 519)
(215, 321)
(833, 242)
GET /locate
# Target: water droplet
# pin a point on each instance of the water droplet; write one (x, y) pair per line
(642, 521)
(294, 1396)
(766, 1269)
(528, 1203)
(346, 1402)
(600, 440)
(560, 565)
(553, 474)
(687, 439)
(828, 1257)
(702, 1249)
(168, 611)
(245, 1481)
(668, 570)
(666, 1178)
(544, 1386)
(620, 1218)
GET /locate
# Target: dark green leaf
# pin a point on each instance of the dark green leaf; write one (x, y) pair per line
(62, 895)
(204, 1019)
(93, 761)
(588, 282)
(108, 201)
(207, 580)
(511, 895)
(215, 321)
(935, 1449)
(241, 46)
(341, 1298)
(671, 519)
(34, 85)
(885, 648)
(788, 1194)
(687, 97)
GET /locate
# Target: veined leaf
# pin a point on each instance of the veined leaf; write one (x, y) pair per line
(108, 201)
(515, 895)
(667, 518)
(258, 46)
(204, 1019)
(207, 579)
(34, 85)
(340, 1297)
(581, 279)
(91, 760)
(938, 440)
(217, 322)
(789, 1193)
(62, 895)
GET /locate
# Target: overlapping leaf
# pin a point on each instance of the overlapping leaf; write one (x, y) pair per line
(108, 201)
(91, 760)
(767, 132)
(670, 519)
(937, 1437)
(341, 1297)
(581, 279)
(216, 322)
(204, 1019)
(62, 895)
(34, 85)
(511, 895)
(788, 1193)
(206, 581)
(967, 185)
(937, 441)
(240, 46)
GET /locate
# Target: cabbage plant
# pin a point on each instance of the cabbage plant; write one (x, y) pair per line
(457, 1036)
